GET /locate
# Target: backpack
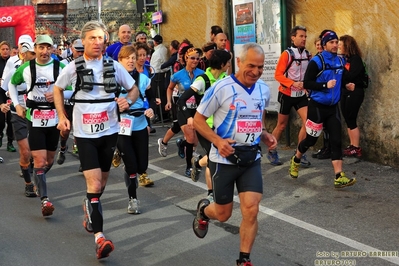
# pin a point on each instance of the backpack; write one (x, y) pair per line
(207, 85)
(32, 66)
(366, 78)
(323, 65)
(207, 81)
(292, 58)
(109, 82)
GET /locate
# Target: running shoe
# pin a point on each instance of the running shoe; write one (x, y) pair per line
(245, 262)
(86, 216)
(272, 156)
(343, 181)
(30, 190)
(133, 207)
(294, 168)
(75, 149)
(116, 160)
(144, 181)
(188, 172)
(180, 150)
(352, 151)
(162, 149)
(47, 207)
(210, 197)
(324, 154)
(61, 155)
(10, 147)
(304, 161)
(200, 225)
(104, 247)
(196, 171)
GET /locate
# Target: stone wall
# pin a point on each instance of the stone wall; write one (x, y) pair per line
(192, 19)
(374, 26)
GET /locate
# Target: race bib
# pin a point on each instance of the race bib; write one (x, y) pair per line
(313, 129)
(247, 131)
(94, 123)
(44, 118)
(191, 103)
(125, 126)
(297, 92)
(175, 92)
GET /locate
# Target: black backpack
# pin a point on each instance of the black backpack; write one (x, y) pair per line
(292, 58)
(32, 66)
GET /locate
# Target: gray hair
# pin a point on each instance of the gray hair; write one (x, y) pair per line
(248, 46)
(92, 25)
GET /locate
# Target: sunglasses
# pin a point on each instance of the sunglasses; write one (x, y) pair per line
(194, 58)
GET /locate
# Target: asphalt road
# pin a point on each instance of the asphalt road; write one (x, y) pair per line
(301, 222)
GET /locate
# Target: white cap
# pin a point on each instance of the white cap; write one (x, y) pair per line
(24, 38)
(27, 46)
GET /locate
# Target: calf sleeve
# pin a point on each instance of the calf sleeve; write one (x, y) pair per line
(40, 180)
(96, 213)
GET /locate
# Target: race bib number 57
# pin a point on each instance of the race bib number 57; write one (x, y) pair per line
(94, 123)
(44, 118)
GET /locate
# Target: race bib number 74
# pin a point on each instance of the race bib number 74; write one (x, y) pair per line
(94, 123)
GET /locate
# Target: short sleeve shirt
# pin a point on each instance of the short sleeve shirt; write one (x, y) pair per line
(95, 120)
(237, 112)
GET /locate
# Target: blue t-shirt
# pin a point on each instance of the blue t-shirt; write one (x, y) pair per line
(140, 122)
(182, 78)
(113, 50)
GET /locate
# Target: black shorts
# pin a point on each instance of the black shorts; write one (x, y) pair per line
(182, 118)
(43, 138)
(20, 127)
(225, 175)
(97, 152)
(287, 102)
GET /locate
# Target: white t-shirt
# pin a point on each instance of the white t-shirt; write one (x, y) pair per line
(237, 112)
(94, 120)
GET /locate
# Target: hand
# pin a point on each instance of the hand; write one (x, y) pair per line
(157, 101)
(298, 84)
(224, 147)
(269, 140)
(350, 86)
(64, 124)
(21, 112)
(149, 113)
(49, 96)
(122, 104)
(5, 107)
(331, 83)
(168, 106)
(190, 123)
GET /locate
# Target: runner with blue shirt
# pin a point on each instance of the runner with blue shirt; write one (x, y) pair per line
(236, 103)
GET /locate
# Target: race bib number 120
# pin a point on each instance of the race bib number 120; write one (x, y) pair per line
(94, 123)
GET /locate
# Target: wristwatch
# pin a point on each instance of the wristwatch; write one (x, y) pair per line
(129, 102)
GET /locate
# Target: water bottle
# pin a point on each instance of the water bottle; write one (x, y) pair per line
(146, 105)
